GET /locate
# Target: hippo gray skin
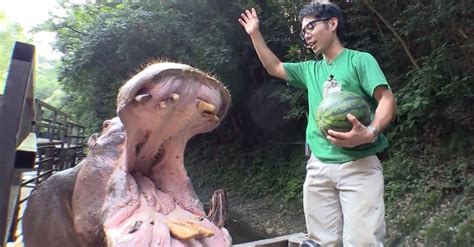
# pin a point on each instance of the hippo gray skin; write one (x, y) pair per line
(132, 189)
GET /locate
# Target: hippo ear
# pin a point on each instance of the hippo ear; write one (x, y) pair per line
(92, 140)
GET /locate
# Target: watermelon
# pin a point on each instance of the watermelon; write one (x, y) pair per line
(333, 109)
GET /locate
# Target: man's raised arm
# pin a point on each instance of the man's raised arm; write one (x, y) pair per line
(272, 64)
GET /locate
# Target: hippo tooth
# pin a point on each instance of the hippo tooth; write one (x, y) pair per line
(211, 117)
(142, 98)
(218, 208)
(204, 106)
(135, 226)
(121, 105)
(163, 104)
(174, 96)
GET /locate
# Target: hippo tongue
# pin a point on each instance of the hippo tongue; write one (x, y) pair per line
(151, 217)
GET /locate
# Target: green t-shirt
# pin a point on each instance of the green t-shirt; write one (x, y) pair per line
(353, 71)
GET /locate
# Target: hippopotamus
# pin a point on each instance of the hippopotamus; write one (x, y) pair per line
(132, 188)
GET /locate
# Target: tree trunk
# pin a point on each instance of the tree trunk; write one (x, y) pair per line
(399, 38)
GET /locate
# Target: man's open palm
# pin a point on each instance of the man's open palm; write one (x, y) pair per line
(249, 21)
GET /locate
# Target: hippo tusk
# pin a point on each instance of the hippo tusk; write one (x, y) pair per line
(218, 208)
(142, 98)
(163, 104)
(211, 117)
(204, 106)
(120, 106)
(174, 96)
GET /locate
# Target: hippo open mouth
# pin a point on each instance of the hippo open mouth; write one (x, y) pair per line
(149, 199)
(132, 189)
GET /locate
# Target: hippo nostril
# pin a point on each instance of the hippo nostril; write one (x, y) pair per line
(106, 124)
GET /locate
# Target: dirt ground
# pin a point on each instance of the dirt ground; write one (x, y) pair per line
(250, 220)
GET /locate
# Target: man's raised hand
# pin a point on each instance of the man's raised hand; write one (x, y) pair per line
(249, 21)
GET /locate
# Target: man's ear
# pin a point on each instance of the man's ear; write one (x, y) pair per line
(333, 22)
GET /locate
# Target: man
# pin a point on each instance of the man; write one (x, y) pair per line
(343, 190)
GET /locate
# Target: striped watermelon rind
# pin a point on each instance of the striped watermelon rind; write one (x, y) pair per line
(333, 109)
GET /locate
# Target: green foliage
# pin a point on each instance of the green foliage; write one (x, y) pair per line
(426, 195)
(452, 229)
(9, 33)
(251, 171)
(123, 37)
(46, 83)
(296, 98)
(435, 92)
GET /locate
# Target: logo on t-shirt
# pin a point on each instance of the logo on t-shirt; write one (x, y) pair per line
(331, 86)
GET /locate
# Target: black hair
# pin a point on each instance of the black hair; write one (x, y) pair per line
(324, 11)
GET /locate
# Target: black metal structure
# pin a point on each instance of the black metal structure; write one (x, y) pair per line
(16, 117)
(34, 136)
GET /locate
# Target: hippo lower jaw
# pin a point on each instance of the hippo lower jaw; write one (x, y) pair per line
(149, 198)
(153, 218)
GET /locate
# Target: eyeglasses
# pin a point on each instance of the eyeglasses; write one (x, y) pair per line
(310, 27)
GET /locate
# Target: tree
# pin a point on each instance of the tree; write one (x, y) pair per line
(9, 33)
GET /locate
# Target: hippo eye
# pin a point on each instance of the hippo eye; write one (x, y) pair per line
(106, 124)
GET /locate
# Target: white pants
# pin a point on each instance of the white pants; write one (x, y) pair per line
(343, 203)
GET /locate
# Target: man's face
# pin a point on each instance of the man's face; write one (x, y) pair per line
(318, 34)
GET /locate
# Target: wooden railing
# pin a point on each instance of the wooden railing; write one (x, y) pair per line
(34, 136)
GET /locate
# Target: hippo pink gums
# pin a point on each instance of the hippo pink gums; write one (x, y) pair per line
(132, 189)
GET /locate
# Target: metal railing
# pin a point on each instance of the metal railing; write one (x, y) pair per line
(34, 137)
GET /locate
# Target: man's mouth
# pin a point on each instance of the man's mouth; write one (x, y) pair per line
(311, 44)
